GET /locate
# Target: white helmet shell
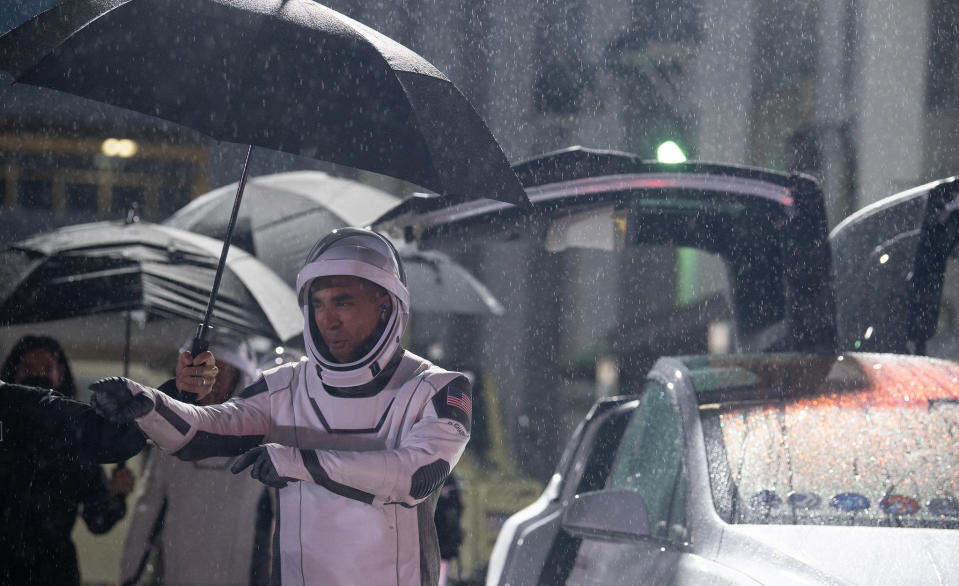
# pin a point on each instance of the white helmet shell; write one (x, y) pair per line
(371, 256)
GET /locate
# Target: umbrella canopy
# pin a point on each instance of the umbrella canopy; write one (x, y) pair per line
(291, 75)
(438, 284)
(107, 267)
(284, 214)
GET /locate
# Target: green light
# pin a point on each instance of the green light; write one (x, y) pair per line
(669, 152)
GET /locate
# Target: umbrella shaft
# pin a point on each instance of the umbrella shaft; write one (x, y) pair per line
(126, 346)
(226, 240)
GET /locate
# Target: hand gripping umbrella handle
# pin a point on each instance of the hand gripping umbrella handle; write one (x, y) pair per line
(199, 345)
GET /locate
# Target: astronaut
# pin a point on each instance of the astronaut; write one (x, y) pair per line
(357, 439)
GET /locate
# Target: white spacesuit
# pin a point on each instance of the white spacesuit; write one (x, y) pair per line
(359, 448)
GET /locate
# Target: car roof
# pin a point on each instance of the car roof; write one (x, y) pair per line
(576, 162)
(746, 378)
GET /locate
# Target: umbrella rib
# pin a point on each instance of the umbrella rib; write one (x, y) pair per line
(226, 313)
(419, 123)
(309, 212)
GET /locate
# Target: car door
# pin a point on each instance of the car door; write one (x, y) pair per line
(648, 462)
(531, 540)
(896, 274)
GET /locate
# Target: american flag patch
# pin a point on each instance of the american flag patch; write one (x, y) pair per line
(461, 401)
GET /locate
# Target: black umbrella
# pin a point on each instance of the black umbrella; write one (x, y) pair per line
(290, 75)
(107, 267)
(284, 214)
(285, 74)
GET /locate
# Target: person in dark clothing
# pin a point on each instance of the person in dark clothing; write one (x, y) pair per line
(50, 446)
(42, 421)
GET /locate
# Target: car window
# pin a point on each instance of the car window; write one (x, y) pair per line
(698, 306)
(891, 276)
(598, 460)
(636, 449)
(873, 255)
(871, 440)
(649, 461)
(594, 460)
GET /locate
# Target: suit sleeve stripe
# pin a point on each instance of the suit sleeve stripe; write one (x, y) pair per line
(207, 445)
(254, 389)
(276, 578)
(172, 418)
(320, 477)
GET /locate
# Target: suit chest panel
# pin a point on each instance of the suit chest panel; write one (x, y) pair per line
(318, 420)
(348, 416)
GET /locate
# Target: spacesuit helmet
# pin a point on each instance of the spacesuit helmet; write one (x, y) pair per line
(366, 254)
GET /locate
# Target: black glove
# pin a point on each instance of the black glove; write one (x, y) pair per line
(263, 468)
(121, 400)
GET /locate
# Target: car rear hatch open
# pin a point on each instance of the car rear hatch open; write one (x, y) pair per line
(766, 232)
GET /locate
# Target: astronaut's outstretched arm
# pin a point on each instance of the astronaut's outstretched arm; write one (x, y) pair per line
(405, 475)
(191, 432)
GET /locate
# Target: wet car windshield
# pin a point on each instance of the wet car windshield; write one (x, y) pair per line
(855, 440)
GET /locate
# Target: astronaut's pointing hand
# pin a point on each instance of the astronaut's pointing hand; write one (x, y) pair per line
(263, 468)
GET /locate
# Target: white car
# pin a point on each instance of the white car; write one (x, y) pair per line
(778, 468)
(755, 469)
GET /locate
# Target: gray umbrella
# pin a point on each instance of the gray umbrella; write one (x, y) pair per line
(284, 214)
(107, 267)
(438, 284)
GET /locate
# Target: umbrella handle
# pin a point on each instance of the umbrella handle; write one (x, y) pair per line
(199, 345)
